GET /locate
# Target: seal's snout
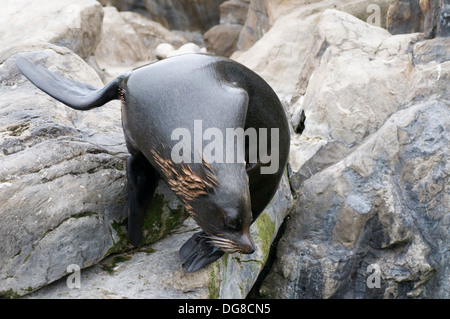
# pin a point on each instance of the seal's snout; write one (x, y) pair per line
(246, 244)
(250, 251)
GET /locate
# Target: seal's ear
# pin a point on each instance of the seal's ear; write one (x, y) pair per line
(142, 182)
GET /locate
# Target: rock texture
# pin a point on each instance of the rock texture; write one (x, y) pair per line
(414, 16)
(71, 24)
(222, 39)
(63, 186)
(62, 174)
(234, 12)
(366, 188)
(390, 211)
(281, 53)
(191, 15)
(374, 190)
(444, 20)
(404, 17)
(155, 272)
(152, 33)
(120, 44)
(256, 24)
(137, 6)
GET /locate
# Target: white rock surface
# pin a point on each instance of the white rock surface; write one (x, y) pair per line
(74, 24)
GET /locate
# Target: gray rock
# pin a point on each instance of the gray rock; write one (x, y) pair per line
(369, 169)
(155, 271)
(191, 15)
(136, 6)
(388, 210)
(373, 12)
(432, 11)
(234, 12)
(62, 178)
(341, 112)
(280, 51)
(120, 44)
(256, 24)
(444, 21)
(414, 16)
(74, 24)
(151, 32)
(279, 54)
(405, 17)
(368, 162)
(151, 272)
(222, 39)
(63, 196)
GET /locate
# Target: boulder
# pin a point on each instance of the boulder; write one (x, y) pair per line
(444, 21)
(372, 12)
(234, 12)
(74, 24)
(63, 196)
(136, 6)
(279, 55)
(166, 50)
(163, 50)
(222, 39)
(262, 14)
(190, 15)
(375, 224)
(152, 33)
(155, 272)
(404, 17)
(62, 178)
(371, 117)
(256, 24)
(280, 52)
(336, 106)
(120, 44)
(414, 16)
(431, 10)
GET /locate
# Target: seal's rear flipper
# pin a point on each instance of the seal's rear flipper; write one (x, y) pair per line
(74, 94)
(142, 182)
(197, 252)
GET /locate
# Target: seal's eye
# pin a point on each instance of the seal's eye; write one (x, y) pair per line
(231, 222)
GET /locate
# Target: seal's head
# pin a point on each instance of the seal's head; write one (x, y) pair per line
(222, 209)
(224, 212)
(225, 216)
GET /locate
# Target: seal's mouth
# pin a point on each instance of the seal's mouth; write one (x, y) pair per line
(243, 245)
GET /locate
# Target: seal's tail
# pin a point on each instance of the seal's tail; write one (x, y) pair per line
(77, 95)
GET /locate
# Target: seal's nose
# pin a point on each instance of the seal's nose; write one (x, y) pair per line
(246, 244)
(250, 251)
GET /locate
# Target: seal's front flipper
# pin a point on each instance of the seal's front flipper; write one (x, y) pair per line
(142, 182)
(197, 252)
(77, 95)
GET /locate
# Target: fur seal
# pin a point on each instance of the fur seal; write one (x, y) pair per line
(158, 98)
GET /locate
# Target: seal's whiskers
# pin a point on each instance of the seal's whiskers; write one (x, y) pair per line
(224, 244)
